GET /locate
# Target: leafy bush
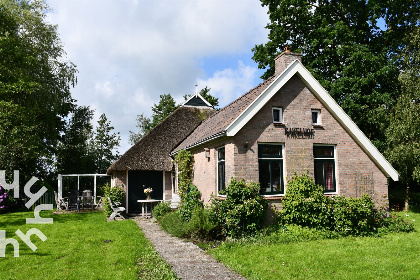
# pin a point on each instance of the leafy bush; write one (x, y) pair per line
(305, 204)
(201, 226)
(242, 212)
(116, 194)
(395, 223)
(161, 209)
(191, 200)
(173, 224)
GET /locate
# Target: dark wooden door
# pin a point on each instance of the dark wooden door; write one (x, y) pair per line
(137, 181)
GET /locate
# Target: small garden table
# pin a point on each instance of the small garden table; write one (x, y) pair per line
(144, 203)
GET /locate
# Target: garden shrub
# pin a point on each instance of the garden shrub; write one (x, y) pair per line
(306, 205)
(242, 212)
(116, 194)
(191, 200)
(396, 223)
(161, 209)
(201, 226)
(173, 224)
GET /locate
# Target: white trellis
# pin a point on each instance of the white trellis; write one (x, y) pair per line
(60, 182)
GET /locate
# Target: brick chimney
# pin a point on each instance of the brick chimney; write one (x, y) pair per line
(284, 59)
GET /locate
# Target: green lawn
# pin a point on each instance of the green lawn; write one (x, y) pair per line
(393, 256)
(75, 249)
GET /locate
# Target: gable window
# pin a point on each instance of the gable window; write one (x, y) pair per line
(221, 169)
(277, 115)
(270, 164)
(316, 117)
(324, 167)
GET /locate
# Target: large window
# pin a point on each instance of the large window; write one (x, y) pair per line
(325, 167)
(221, 169)
(270, 159)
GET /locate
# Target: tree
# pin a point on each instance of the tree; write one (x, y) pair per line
(104, 145)
(160, 111)
(163, 109)
(344, 47)
(35, 82)
(74, 154)
(403, 134)
(144, 125)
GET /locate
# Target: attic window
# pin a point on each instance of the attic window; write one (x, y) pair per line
(316, 117)
(277, 115)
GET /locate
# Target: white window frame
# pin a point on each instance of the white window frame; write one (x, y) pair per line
(318, 112)
(280, 114)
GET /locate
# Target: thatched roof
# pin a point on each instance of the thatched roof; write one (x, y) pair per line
(216, 125)
(152, 151)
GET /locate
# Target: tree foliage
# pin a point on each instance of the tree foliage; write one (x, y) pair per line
(403, 134)
(35, 82)
(104, 145)
(83, 149)
(346, 48)
(73, 151)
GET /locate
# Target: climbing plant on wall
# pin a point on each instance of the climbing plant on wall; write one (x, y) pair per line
(185, 161)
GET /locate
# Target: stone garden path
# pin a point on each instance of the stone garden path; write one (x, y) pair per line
(187, 260)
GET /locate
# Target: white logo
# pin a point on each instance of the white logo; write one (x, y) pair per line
(26, 238)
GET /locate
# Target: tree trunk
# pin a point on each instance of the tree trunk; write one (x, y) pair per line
(407, 196)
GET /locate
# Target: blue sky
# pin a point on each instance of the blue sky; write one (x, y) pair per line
(128, 52)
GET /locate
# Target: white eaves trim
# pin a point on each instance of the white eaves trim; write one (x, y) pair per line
(297, 67)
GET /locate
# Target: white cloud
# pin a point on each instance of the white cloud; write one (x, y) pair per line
(229, 84)
(128, 52)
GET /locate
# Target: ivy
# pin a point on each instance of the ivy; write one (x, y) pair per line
(185, 162)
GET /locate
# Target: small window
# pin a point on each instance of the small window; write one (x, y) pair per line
(316, 117)
(221, 169)
(277, 115)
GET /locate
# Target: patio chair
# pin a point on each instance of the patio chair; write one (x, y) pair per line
(62, 203)
(117, 210)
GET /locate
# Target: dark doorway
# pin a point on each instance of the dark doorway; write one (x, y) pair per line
(137, 181)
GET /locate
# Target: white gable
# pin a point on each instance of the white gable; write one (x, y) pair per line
(297, 67)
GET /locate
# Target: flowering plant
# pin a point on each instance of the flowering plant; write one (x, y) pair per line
(3, 196)
(148, 191)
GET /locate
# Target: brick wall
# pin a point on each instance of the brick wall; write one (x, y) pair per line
(119, 179)
(355, 172)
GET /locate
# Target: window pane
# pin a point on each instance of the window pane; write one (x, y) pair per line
(276, 115)
(265, 176)
(221, 175)
(314, 117)
(329, 176)
(276, 176)
(319, 173)
(268, 151)
(221, 154)
(323, 152)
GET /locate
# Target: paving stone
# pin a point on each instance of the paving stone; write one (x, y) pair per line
(188, 261)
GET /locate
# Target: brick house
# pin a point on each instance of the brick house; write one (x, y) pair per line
(288, 124)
